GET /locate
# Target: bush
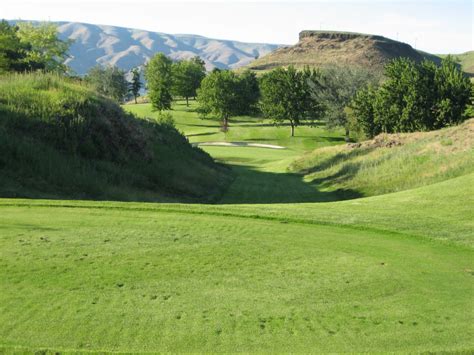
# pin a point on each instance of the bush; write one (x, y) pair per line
(166, 119)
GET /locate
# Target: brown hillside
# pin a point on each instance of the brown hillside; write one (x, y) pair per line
(322, 48)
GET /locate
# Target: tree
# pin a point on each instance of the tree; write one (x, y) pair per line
(454, 93)
(414, 97)
(249, 93)
(287, 96)
(335, 87)
(108, 81)
(187, 77)
(223, 93)
(135, 84)
(12, 52)
(217, 95)
(27, 47)
(159, 78)
(362, 106)
(44, 46)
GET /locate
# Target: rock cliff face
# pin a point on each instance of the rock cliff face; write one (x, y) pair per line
(327, 48)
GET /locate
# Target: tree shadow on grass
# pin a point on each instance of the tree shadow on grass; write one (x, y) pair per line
(259, 187)
(336, 159)
(323, 138)
(201, 134)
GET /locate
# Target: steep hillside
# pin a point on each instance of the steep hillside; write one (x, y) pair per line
(59, 139)
(323, 48)
(128, 48)
(392, 162)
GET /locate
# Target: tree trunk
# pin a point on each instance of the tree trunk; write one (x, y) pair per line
(292, 129)
(135, 100)
(187, 101)
(347, 138)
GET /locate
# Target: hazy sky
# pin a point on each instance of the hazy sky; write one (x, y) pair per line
(433, 26)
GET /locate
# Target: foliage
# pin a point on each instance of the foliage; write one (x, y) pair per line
(335, 88)
(44, 46)
(249, 93)
(166, 119)
(287, 96)
(158, 73)
(225, 94)
(415, 97)
(108, 81)
(135, 85)
(187, 77)
(12, 51)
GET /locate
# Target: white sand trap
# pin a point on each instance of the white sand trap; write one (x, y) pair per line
(239, 144)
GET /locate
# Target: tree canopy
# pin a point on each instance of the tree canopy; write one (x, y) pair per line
(414, 97)
(187, 77)
(335, 88)
(27, 47)
(135, 84)
(108, 81)
(225, 94)
(287, 96)
(158, 73)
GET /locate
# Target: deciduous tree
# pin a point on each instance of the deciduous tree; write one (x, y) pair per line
(287, 96)
(158, 73)
(187, 77)
(135, 84)
(224, 94)
(414, 97)
(109, 81)
(44, 46)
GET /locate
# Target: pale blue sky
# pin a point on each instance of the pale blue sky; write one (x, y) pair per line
(433, 26)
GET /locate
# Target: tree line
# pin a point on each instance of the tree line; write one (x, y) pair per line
(409, 97)
(414, 97)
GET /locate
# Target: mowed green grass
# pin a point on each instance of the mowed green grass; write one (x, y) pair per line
(261, 174)
(390, 273)
(245, 128)
(154, 277)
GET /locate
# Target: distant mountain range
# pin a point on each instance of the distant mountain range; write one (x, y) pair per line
(128, 48)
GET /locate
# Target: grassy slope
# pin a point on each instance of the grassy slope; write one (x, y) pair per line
(61, 140)
(466, 60)
(147, 277)
(391, 163)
